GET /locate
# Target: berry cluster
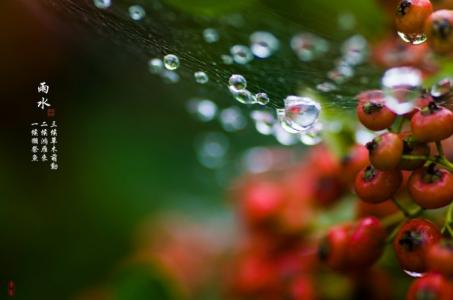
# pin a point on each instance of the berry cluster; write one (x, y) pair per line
(401, 161)
(402, 177)
(417, 21)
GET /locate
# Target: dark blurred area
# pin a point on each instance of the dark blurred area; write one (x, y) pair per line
(123, 151)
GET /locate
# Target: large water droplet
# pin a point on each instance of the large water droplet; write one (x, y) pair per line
(171, 62)
(232, 119)
(155, 66)
(102, 4)
(136, 12)
(210, 35)
(402, 77)
(308, 46)
(299, 114)
(201, 77)
(203, 109)
(241, 54)
(312, 136)
(414, 39)
(263, 44)
(401, 87)
(283, 136)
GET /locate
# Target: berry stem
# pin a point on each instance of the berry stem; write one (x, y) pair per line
(397, 125)
(448, 221)
(441, 160)
(406, 212)
(393, 220)
(440, 149)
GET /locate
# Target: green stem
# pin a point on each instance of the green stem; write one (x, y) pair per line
(393, 220)
(394, 232)
(406, 212)
(448, 220)
(397, 125)
(440, 149)
(441, 160)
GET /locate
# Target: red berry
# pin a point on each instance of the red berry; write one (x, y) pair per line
(379, 210)
(440, 257)
(412, 147)
(411, 16)
(372, 112)
(432, 286)
(431, 187)
(385, 151)
(302, 288)
(261, 202)
(351, 247)
(366, 243)
(433, 123)
(392, 52)
(412, 242)
(351, 164)
(439, 30)
(376, 186)
(334, 246)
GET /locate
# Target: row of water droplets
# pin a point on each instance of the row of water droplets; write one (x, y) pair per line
(297, 122)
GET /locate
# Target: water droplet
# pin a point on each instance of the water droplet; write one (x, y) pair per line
(312, 136)
(227, 59)
(102, 4)
(262, 98)
(264, 121)
(210, 35)
(171, 62)
(237, 81)
(308, 46)
(155, 66)
(299, 114)
(283, 136)
(203, 109)
(258, 160)
(170, 76)
(241, 54)
(243, 96)
(401, 88)
(232, 119)
(413, 274)
(442, 88)
(136, 12)
(402, 77)
(212, 149)
(414, 39)
(201, 77)
(355, 50)
(326, 87)
(263, 44)
(364, 136)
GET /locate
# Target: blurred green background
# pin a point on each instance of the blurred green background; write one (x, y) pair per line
(126, 141)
